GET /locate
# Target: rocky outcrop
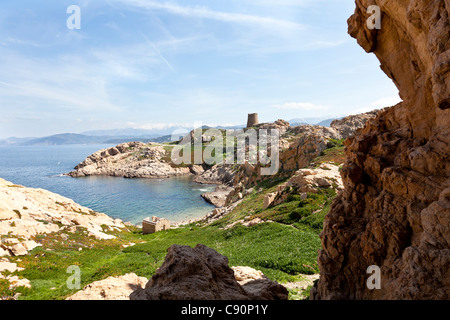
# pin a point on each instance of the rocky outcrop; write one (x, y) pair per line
(281, 125)
(217, 174)
(298, 146)
(111, 288)
(304, 181)
(27, 212)
(129, 160)
(201, 273)
(325, 176)
(394, 211)
(346, 127)
(219, 197)
(13, 281)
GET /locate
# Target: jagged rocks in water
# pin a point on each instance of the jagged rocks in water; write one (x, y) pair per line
(201, 273)
(394, 212)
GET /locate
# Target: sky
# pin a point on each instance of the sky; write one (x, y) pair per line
(164, 63)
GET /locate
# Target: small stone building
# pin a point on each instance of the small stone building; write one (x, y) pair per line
(154, 225)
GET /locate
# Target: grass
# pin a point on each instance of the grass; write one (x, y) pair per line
(333, 154)
(309, 212)
(280, 251)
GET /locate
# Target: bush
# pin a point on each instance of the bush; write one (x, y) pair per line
(299, 213)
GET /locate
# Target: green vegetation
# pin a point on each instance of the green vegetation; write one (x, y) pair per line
(333, 154)
(280, 251)
(283, 249)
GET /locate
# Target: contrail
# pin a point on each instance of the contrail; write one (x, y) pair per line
(159, 52)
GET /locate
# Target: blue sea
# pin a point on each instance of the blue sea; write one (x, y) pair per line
(132, 200)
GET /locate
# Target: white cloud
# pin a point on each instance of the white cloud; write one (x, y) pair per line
(162, 125)
(304, 106)
(207, 13)
(380, 104)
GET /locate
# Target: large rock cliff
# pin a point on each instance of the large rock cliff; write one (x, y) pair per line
(395, 210)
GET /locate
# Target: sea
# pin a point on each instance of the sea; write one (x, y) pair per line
(177, 199)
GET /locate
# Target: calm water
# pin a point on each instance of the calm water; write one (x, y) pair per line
(128, 199)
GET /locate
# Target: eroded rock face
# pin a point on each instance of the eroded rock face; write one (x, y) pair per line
(129, 160)
(395, 210)
(350, 124)
(201, 273)
(218, 197)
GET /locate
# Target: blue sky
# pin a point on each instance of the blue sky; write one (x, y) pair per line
(156, 64)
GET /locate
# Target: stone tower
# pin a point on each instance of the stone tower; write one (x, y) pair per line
(252, 120)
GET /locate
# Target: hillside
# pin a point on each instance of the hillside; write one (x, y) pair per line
(280, 239)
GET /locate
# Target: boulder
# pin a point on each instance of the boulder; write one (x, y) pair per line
(268, 199)
(201, 273)
(219, 197)
(111, 288)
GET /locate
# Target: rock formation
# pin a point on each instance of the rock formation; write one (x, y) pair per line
(201, 273)
(298, 146)
(27, 212)
(347, 126)
(129, 160)
(219, 197)
(395, 210)
(111, 288)
(121, 287)
(304, 181)
(281, 125)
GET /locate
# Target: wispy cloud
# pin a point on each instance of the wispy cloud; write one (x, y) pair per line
(303, 106)
(158, 52)
(207, 13)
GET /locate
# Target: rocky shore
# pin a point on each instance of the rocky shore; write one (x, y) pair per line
(130, 160)
(28, 212)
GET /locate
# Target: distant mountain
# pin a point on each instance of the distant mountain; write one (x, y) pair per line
(64, 138)
(112, 137)
(131, 132)
(327, 122)
(73, 138)
(296, 123)
(314, 121)
(13, 140)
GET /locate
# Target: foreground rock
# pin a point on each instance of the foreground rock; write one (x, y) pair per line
(129, 160)
(111, 288)
(394, 211)
(27, 212)
(201, 273)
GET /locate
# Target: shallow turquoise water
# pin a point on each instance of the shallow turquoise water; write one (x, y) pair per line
(131, 200)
